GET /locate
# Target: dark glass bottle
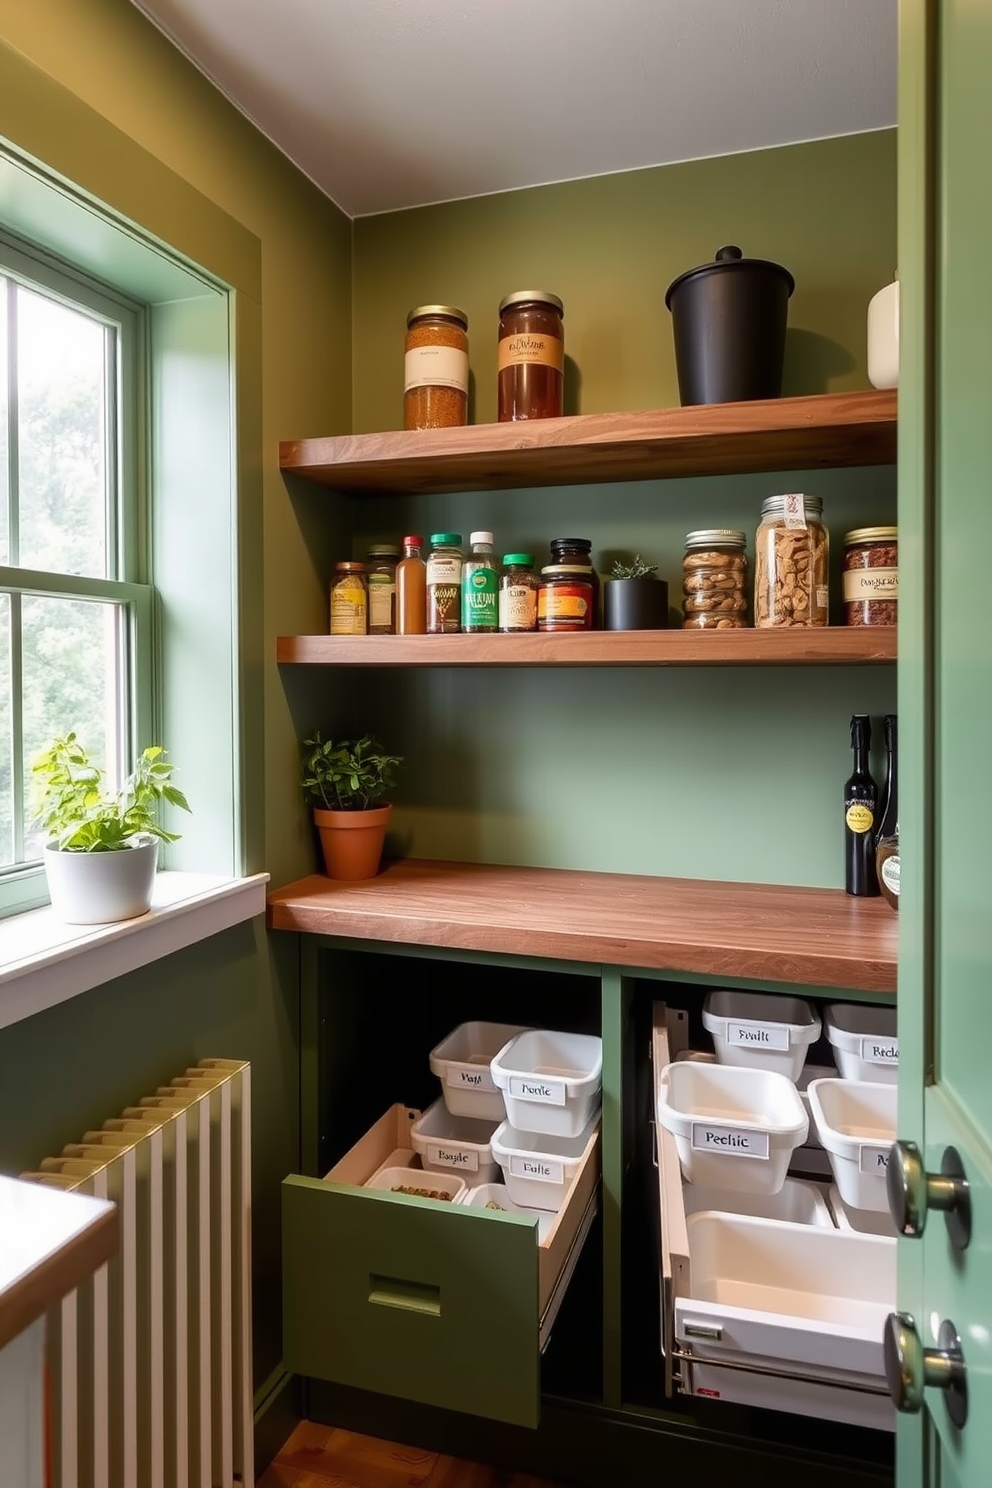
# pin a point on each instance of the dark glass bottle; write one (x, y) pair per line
(860, 807)
(888, 801)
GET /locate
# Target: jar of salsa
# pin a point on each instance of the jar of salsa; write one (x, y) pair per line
(565, 599)
(531, 362)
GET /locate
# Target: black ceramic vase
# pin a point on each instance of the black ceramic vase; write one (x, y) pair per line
(635, 604)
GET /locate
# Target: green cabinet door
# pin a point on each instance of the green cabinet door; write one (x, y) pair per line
(945, 702)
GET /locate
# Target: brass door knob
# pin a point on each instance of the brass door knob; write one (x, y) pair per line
(913, 1192)
(910, 1368)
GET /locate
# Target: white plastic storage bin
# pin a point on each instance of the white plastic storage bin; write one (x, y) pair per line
(862, 1221)
(734, 1128)
(551, 1082)
(537, 1168)
(461, 1062)
(761, 1031)
(395, 1180)
(864, 1041)
(857, 1125)
(496, 1196)
(446, 1144)
(796, 1202)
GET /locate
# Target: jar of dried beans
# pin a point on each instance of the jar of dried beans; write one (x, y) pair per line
(714, 580)
(435, 368)
(791, 554)
(531, 356)
(871, 576)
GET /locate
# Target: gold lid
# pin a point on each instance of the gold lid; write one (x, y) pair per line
(870, 534)
(531, 296)
(451, 311)
(347, 566)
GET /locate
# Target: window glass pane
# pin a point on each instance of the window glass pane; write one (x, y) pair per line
(6, 740)
(62, 442)
(71, 650)
(4, 468)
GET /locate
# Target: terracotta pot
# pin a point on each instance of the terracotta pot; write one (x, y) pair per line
(352, 841)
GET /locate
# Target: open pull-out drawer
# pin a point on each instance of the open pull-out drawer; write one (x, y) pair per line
(763, 1311)
(442, 1303)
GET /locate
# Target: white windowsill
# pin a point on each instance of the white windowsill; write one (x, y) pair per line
(44, 961)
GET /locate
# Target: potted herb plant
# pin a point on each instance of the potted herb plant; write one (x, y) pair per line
(346, 783)
(633, 598)
(102, 853)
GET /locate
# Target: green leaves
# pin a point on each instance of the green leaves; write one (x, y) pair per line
(73, 807)
(353, 775)
(636, 569)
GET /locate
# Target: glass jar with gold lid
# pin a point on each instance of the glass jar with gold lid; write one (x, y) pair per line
(435, 368)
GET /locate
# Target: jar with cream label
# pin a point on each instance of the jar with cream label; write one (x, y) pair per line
(531, 356)
(871, 576)
(435, 368)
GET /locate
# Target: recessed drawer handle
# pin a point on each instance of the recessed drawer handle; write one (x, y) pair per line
(408, 1296)
(712, 1331)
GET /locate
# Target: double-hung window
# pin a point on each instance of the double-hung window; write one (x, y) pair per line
(75, 605)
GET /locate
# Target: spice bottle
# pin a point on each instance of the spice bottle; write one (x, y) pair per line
(871, 576)
(444, 584)
(411, 589)
(531, 356)
(791, 554)
(480, 578)
(382, 561)
(577, 551)
(518, 586)
(860, 806)
(435, 368)
(714, 580)
(349, 599)
(564, 600)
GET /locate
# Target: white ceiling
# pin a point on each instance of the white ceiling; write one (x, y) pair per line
(396, 103)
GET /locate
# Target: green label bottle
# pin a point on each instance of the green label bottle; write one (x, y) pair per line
(480, 578)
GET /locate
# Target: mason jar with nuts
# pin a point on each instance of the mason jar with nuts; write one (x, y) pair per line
(714, 580)
(791, 555)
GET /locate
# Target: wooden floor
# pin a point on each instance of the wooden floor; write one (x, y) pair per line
(322, 1457)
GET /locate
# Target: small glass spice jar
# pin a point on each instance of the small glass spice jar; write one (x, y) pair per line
(871, 576)
(791, 557)
(518, 589)
(531, 356)
(382, 561)
(714, 580)
(435, 368)
(564, 600)
(349, 599)
(445, 562)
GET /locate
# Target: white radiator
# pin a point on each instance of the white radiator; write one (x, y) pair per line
(149, 1363)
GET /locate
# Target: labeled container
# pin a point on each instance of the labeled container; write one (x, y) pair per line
(577, 552)
(461, 1062)
(791, 562)
(382, 561)
(411, 588)
(864, 1041)
(856, 1122)
(565, 600)
(795, 1203)
(445, 1188)
(435, 368)
(729, 321)
(734, 1128)
(480, 582)
(551, 1082)
(714, 580)
(871, 576)
(861, 1221)
(349, 599)
(760, 1030)
(496, 1198)
(518, 589)
(538, 1168)
(531, 356)
(444, 584)
(446, 1143)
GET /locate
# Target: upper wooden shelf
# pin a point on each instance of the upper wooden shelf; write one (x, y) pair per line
(836, 646)
(830, 429)
(765, 932)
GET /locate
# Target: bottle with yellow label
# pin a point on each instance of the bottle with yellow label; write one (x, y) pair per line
(860, 806)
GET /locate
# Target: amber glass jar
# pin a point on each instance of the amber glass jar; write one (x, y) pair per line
(531, 363)
(714, 580)
(578, 551)
(564, 600)
(349, 599)
(435, 368)
(791, 556)
(871, 576)
(382, 561)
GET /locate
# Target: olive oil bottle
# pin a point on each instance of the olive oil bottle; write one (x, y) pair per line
(860, 808)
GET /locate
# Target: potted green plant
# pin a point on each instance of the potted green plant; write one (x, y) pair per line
(633, 598)
(346, 783)
(102, 849)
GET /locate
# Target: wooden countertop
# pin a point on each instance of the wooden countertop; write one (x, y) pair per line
(50, 1241)
(766, 932)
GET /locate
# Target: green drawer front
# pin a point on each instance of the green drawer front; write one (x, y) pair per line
(429, 1302)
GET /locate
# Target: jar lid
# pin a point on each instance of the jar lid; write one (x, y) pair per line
(531, 297)
(519, 560)
(730, 260)
(870, 534)
(571, 542)
(347, 566)
(480, 537)
(384, 550)
(445, 539)
(710, 537)
(413, 541)
(565, 568)
(774, 506)
(451, 311)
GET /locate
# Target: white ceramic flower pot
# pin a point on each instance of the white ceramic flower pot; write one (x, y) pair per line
(883, 337)
(98, 888)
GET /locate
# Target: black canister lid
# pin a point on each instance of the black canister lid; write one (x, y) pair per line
(729, 259)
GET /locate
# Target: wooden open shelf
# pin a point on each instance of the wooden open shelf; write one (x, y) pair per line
(829, 429)
(834, 646)
(800, 936)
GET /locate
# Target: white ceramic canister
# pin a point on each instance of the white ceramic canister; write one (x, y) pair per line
(883, 337)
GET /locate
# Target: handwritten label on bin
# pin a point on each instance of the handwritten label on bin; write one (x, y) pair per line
(880, 1050)
(874, 1160)
(540, 1089)
(453, 1157)
(541, 1169)
(732, 1141)
(757, 1036)
(470, 1077)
